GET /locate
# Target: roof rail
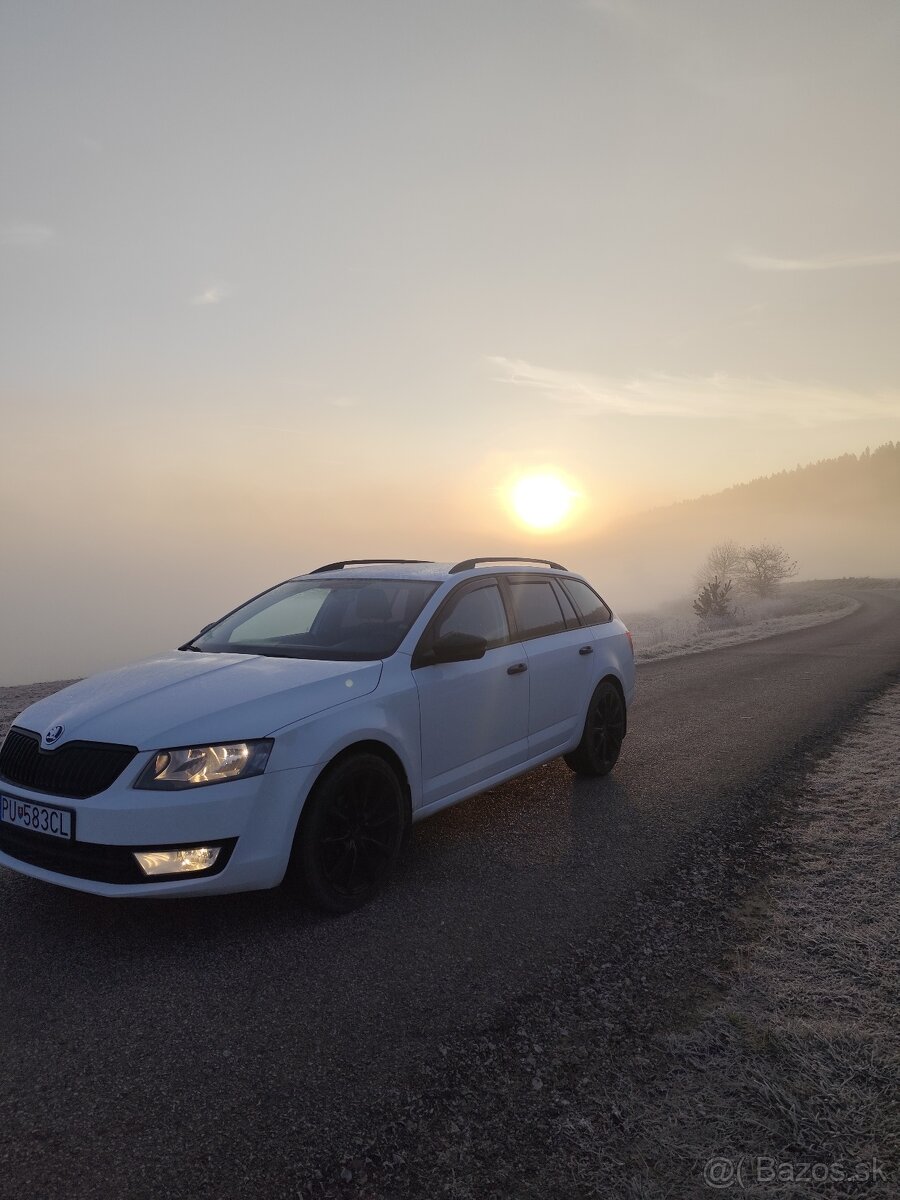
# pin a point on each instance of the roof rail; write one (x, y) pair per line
(362, 562)
(469, 563)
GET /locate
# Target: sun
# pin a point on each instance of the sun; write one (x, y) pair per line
(542, 501)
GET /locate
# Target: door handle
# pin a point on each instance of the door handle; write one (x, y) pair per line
(586, 650)
(516, 669)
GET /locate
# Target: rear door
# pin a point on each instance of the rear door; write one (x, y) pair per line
(560, 655)
(474, 715)
(611, 647)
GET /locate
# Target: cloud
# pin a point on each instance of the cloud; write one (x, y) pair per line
(825, 262)
(772, 402)
(214, 294)
(26, 234)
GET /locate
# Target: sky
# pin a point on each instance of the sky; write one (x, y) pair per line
(288, 282)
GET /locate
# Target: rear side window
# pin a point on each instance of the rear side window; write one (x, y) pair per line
(593, 610)
(536, 607)
(479, 613)
(572, 621)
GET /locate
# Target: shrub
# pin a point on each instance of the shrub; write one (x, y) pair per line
(714, 600)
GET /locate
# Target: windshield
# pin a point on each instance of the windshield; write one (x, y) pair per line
(341, 619)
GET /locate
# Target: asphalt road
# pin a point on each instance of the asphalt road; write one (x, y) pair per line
(222, 1047)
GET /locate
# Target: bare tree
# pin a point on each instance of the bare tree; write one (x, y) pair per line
(764, 567)
(724, 561)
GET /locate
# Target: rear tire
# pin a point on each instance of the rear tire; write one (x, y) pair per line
(350, 834)
(604, 731)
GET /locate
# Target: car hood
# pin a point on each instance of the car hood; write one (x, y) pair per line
(183, 697)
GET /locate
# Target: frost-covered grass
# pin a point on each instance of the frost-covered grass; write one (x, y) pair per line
(799, 1062)
(674, 628)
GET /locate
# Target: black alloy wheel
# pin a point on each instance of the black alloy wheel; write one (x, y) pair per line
(604, 731)
(351, 833)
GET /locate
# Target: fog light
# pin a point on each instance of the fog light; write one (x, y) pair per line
(177, 862)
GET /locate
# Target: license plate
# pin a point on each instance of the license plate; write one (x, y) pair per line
(39, 818)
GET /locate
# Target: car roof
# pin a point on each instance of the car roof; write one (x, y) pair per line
(434, 571)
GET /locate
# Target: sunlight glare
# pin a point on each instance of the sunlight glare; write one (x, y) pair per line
(542, 502)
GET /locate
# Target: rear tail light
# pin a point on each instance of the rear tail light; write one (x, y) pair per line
(630, 641)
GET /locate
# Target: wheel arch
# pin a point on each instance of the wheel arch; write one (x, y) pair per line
(617, 684)
(369, 746)
(362, 746)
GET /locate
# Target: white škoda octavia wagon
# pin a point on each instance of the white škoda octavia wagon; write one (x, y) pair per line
(301, 734)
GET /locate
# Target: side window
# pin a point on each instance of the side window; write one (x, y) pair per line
(588, 603)
(572, 621)
(536, 607)
(480, 613)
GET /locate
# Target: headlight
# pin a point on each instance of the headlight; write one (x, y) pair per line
(194, 766)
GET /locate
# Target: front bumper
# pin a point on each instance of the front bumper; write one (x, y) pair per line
(253, 820)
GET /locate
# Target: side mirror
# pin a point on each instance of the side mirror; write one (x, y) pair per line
(458, 647)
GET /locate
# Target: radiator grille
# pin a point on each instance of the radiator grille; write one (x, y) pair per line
(77, 770)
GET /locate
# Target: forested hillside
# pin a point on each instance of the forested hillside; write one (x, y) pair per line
(859, 483)
(837, 517)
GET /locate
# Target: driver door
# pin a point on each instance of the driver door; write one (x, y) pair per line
(473, 715)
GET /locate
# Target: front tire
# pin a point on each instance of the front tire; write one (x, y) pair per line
(604, 731)
(350, 834)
